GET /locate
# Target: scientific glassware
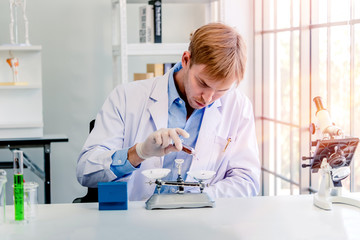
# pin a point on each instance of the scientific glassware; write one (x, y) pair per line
(3, 181)
(30, 200)
(18, 185)
(14, 5)
(187, 149)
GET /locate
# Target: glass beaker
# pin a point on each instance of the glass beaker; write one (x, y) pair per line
(30, 200)
(3, 181)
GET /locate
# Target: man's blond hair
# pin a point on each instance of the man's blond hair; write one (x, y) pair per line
(221, 49)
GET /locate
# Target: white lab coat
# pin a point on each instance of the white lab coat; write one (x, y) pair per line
(134, 110)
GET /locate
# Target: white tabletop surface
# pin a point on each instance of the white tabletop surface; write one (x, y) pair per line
(282, 217)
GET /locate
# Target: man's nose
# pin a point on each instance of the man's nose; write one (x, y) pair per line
(208, 96)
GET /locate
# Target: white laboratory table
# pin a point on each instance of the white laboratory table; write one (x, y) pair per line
(282, 217)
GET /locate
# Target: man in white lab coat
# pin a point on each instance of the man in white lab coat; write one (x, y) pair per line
(143, 124)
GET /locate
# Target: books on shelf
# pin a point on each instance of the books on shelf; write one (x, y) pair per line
(143, 76)
(146, 30)
(150, 30)
(154, 70)
(157, 21)
(168, 66)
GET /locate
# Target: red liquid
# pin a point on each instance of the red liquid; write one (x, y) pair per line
(186, 149)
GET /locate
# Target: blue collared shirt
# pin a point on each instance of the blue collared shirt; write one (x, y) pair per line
(176, 119)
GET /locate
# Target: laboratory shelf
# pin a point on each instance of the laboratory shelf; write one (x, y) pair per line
(122, 49)
(22, 100)
(22, 125)
(142, 49)
(20, 87)
(20, 48)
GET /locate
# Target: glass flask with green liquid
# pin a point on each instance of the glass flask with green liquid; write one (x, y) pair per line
(18, 185)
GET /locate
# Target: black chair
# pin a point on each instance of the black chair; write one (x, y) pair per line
(92, 193)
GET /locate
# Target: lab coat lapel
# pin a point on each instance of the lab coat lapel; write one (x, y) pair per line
(158, 110)
(158, 107)
(207, 134)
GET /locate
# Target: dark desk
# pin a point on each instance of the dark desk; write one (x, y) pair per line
(39, 142)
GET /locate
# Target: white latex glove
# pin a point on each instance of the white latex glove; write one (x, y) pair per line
(160, 143)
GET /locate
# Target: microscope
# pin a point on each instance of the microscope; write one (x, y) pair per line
(332, 156)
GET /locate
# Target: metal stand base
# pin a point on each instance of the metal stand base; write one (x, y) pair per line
(329, 194)
(176, 200)
(326, 202)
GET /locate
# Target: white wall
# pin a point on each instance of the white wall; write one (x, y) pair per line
(239, 14)
(76, 66)
(76, 57)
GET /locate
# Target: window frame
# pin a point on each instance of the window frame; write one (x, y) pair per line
(306, 182)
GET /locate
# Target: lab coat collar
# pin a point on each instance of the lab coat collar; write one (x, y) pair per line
(158, 105)
(158, 102)
(158, 108)
(209, 130)
(160, 87)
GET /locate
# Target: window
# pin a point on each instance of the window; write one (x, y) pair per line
(303, 49)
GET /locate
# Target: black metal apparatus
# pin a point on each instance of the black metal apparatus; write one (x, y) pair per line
(337, 152)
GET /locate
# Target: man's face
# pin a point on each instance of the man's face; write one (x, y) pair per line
(200, 89)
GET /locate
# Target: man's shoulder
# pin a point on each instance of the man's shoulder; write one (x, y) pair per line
(236, 101)
(142, 89)
(235, 96)
(139, 87)
(145, 85)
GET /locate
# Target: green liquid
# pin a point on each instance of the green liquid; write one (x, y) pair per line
(19, 197)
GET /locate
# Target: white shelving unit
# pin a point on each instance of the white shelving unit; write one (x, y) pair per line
(21, 105)
(122, 49)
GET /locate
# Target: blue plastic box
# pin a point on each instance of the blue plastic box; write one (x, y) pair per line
(112, 196)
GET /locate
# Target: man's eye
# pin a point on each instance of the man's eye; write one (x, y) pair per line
(203, 84)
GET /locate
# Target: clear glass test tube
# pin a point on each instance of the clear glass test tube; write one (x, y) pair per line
(18, 185)
(3, 181)
(187, 149)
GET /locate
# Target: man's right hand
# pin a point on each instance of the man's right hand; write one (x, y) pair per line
(160, 143)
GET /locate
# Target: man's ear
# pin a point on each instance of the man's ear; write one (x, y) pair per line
(185, 60)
